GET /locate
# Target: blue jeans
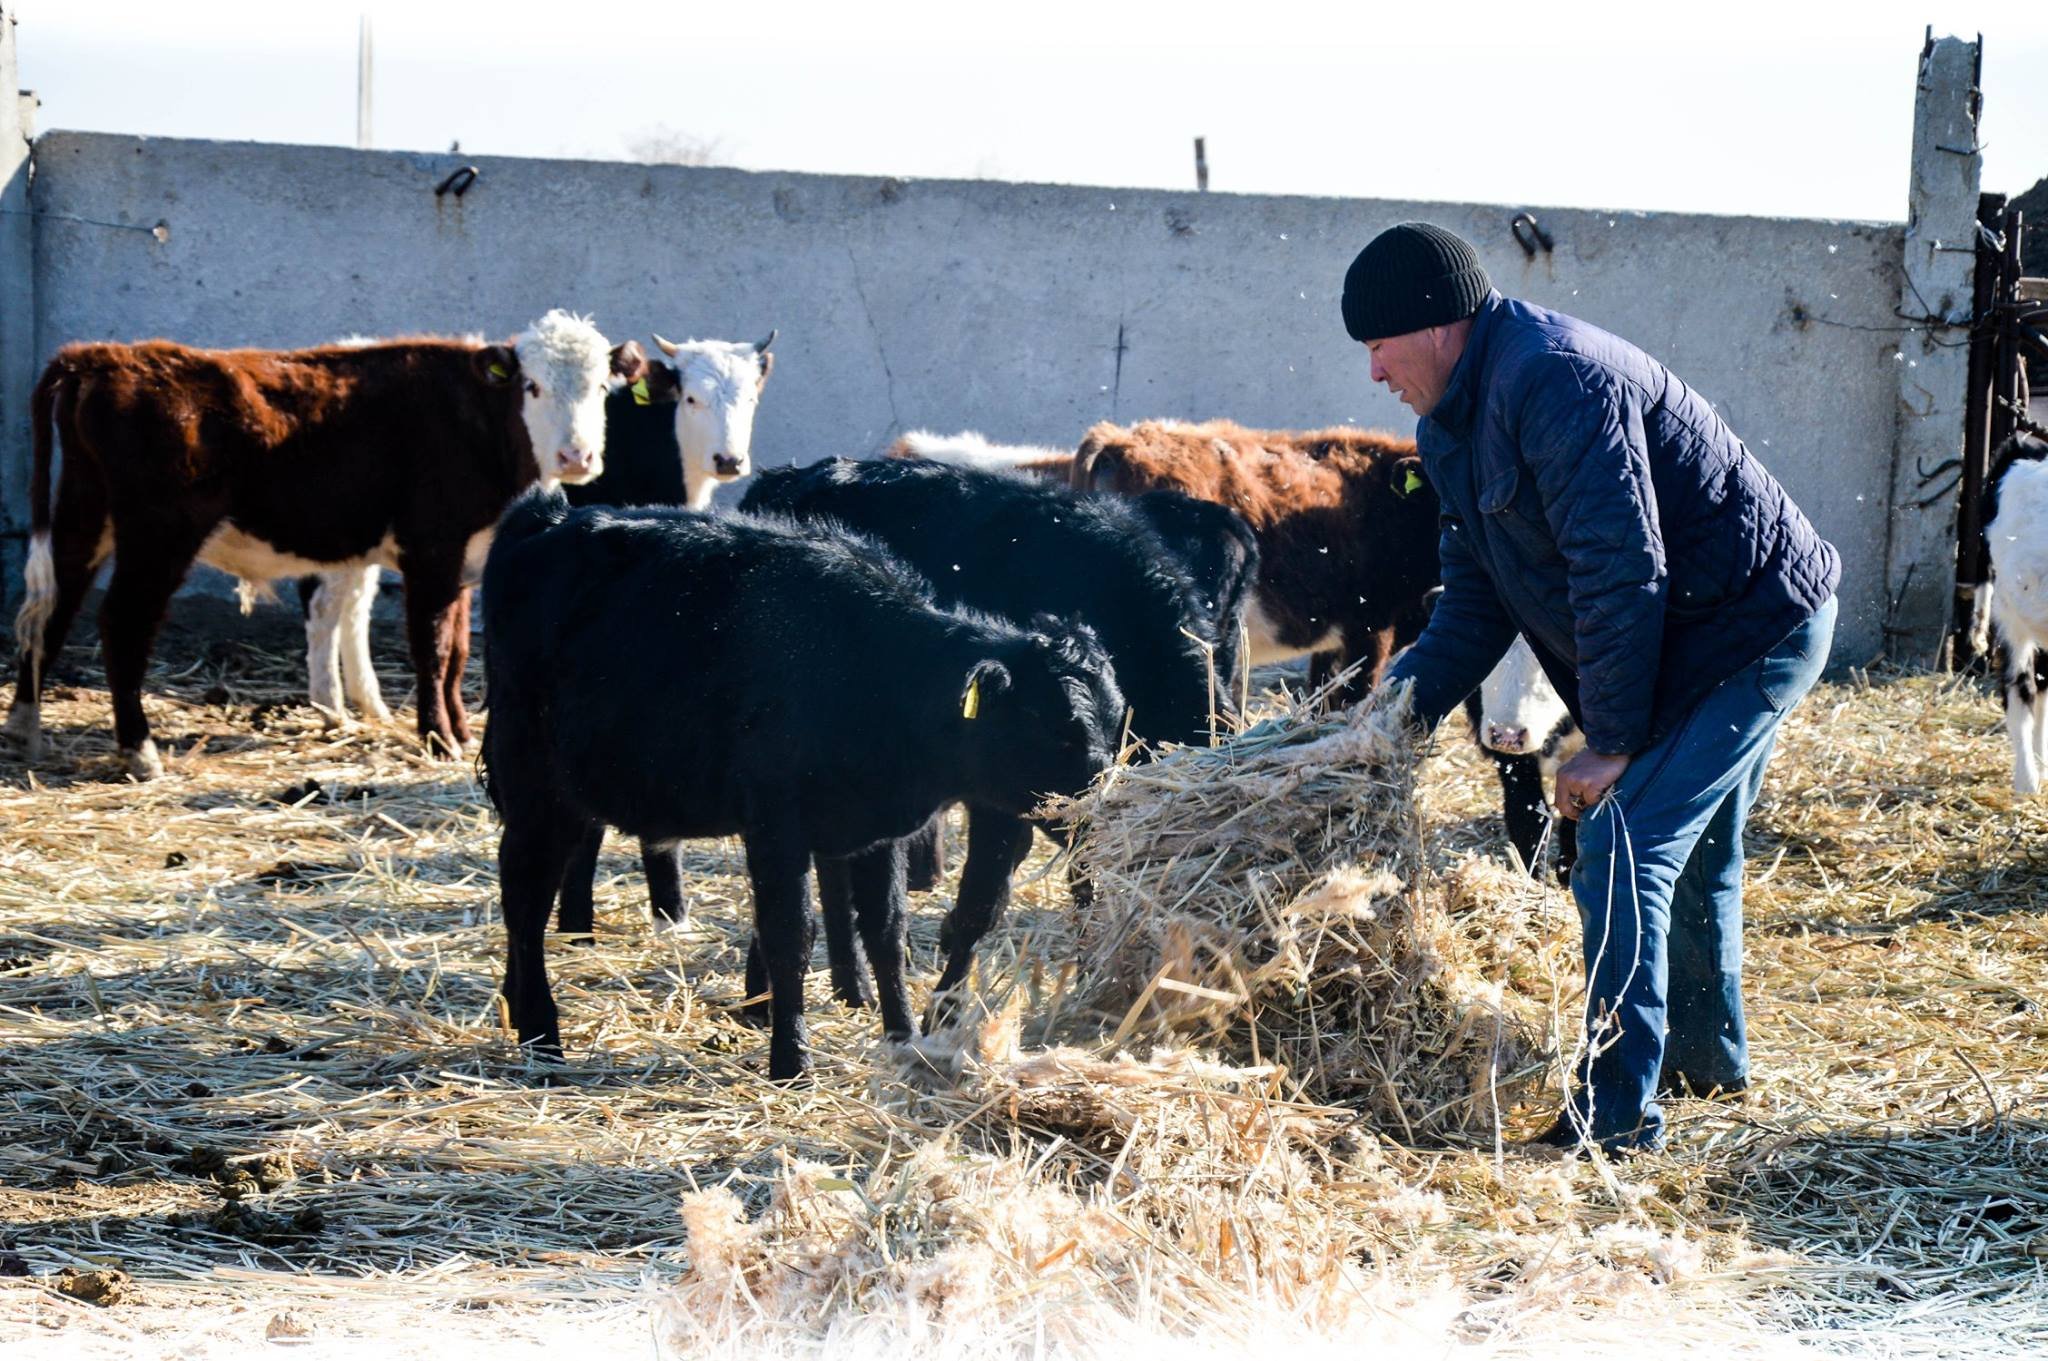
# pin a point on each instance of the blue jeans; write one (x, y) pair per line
(1659, 887)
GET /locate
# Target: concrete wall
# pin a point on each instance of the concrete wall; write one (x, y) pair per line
(1025, 311)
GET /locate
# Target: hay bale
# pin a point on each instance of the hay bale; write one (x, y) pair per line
(1270, 897)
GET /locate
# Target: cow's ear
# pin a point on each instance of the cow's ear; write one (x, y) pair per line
(767, 367)
(629, 361)
(1404, 475)
(984, 680)
(496, 365)
(657, 384)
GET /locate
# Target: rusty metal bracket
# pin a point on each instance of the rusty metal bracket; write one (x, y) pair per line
(458, 180)
(1536, 235)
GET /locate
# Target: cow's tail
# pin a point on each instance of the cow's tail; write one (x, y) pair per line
(39, 577)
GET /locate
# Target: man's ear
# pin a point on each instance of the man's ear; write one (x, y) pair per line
(984, 680)
(495, 365)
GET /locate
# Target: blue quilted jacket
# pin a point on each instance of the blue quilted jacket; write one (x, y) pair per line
(1596, 504)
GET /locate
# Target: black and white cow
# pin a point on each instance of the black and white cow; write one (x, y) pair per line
(677, 675)
(1014, 548)
(2016, 530)
(1521, 723)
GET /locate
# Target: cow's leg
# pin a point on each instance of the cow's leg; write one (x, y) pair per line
(2040, 664)
(662, 863)
(358, 667)
(877, 879)
(322, 604)
(1522, 804)
(148, 567)
(532, 854)
(433, 588)
(577, 914)
(755, 1013)
(1376, 648)
(78, 543)
(458, 664)
(2022, 719)
(925, 855)
(842, 936)
(1566, 834)
(996, 844)
(778, 863)
(1321, 666)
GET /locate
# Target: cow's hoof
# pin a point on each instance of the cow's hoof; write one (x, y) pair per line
(142, 762)
(25, 727)
(789, 1069)
(945, 1011)
(376, 715)
(443, 746)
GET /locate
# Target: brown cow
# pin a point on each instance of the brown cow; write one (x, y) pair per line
(1347, 528)
(273, 464)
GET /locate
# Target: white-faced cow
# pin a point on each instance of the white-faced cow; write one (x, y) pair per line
(716, 386)
(271, 464)
(1522, 723)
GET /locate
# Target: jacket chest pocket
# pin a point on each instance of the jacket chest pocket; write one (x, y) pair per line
(1513, 512)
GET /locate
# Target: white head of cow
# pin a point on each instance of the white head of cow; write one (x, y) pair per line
(716, 386)
(561, 363)
(1518, 707)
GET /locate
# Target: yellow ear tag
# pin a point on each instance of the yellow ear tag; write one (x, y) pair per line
(1412, 483)
(970, 704)
(499, 371)
(639, 391)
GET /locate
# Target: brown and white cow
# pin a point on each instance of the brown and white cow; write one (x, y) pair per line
(672, 438)
(271, 464)
(1346, 525)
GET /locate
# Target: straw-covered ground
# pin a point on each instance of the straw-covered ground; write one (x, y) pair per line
(253, 1089)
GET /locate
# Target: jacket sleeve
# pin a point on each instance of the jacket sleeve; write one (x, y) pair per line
(1465, 639)
(1580, 433)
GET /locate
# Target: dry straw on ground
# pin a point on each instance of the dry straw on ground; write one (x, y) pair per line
(1272, 896)
(252, 1061)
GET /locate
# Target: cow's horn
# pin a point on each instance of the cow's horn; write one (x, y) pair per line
(762, 347)
(668, 347)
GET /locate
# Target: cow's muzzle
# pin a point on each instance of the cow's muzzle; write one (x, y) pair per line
(1510, 741)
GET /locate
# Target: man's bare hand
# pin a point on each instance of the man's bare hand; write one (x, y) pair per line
(1583, 779)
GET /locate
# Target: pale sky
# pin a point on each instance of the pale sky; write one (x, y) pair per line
(1785, 109)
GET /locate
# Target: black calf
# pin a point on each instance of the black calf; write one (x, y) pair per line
(1012, 548)
(682, 675)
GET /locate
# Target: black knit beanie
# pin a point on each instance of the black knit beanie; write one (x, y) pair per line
(1412, 276)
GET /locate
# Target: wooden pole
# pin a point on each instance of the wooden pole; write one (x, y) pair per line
(1202, 164)
(1971, 559)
